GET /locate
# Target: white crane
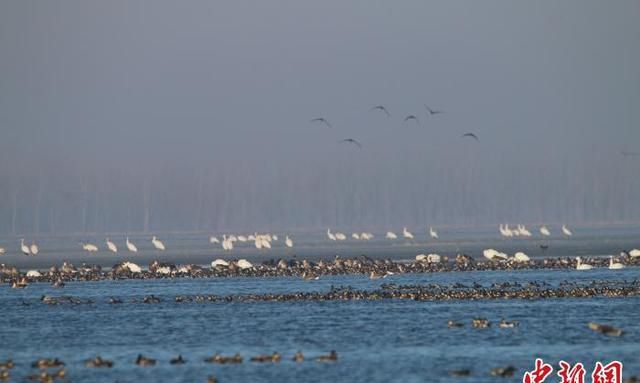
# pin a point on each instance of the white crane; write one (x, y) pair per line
(566, 231)
(89, 247)
(330, 235)
(433, 233)
(340, 236)
(34, 248)
(615, 265)
(288, 242)
(157, 244)
(582, 266)
(406, 233)
(24, 248)
(130, 246)
(545, 231)
(265, 242)
(391, 235)
(523, 231)
(355, 236)
(111, 246)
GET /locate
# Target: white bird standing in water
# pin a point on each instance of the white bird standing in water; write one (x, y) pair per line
(34, 248)
(130, 246)
(391, 235)
(433, 233)
(111, 246)
(355, 235)
(288, 242)
(582, 266)
(545, 231)
(406, 233)
(330, 235)
(157, 243)
(340, 236)
(615, 265)
(566, 231)
(24, 248)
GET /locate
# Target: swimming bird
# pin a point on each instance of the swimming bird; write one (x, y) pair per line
(411, 117)
(244, 264)
(34, 248)
(508, 324)
(340, 236)
(433, 233)
(157, 243)
(545, 231)
(130, 246)
(331, 357)
(178, 360)
(322, 120)
(24, 248)
(615, 265)
(634, 253)
(142, 361)
(213, 239)
(432, 111)
(406, 233)
(472, 135)
(111, 246)
(330, 235)
(288, 242)
(382, 108)
(355, 235)
(2, 250)
(582, 266)
(298, 357)
(391, 235)
(605, 329)
(566, 231)
(352, 141)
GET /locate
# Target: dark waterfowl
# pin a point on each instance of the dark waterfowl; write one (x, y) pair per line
(331, 357)
(481, 323)
(275, 357)
(460, 373)
(298, 357)
(145, 362)
(504, 372)
(178, 360)
(7, 365)
(98, 362)
(605, 329)
(454, 324)
(45, 363)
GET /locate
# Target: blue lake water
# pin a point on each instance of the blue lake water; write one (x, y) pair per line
(377, 341)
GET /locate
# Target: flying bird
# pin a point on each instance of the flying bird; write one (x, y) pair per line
(433, 111)
(351, 140)
(471, 135)
(382, 108)
(411, 117)
(322, 120)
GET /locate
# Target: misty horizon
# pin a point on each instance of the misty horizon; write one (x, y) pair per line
(196, 117)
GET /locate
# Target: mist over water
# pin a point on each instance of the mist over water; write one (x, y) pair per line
(116, 116)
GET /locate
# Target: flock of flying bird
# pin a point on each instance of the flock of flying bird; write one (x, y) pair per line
(408, 119)
(265, 241)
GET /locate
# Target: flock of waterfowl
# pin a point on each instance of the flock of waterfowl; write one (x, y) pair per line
(268, 240)
(53, 369)
(311, 270)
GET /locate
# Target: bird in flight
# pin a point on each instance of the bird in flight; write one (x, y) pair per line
(322, 120)
(411, 117)
(382, 108)
(433, 111)
(352, 141)
(472, 136)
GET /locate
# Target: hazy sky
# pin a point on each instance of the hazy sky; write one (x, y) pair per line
(210, 101)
